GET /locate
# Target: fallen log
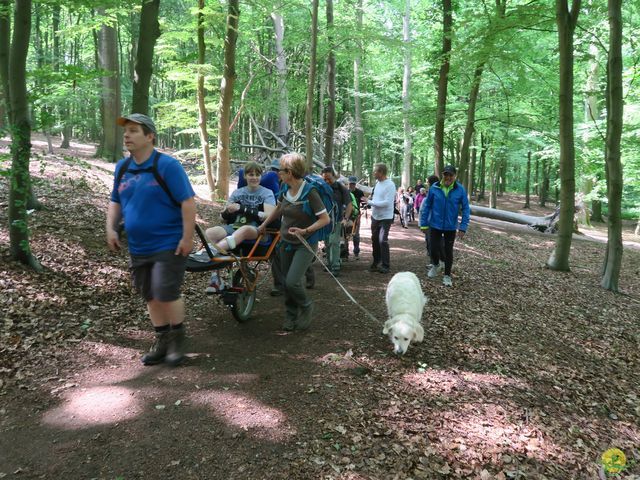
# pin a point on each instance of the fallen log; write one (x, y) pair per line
(545, 224)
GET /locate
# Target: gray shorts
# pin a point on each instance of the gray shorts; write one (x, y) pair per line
(158, 276)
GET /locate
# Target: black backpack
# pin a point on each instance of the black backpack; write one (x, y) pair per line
(153, 169)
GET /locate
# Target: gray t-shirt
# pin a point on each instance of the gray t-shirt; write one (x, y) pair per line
(251, 199)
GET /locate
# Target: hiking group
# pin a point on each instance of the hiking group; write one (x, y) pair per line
(152, 195)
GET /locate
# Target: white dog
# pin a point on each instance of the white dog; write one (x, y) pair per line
(405, 302)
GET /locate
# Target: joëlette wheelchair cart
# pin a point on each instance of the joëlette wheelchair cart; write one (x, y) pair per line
(244, 265)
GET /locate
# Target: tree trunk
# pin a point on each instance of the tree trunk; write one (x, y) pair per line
(202, 108)
(443, 82)
(5, 43)
(527, 186)
(493, 200)
(472, 170)
(331, 83)
(111, 146)
(406, 95)
(566, 20)
(149, 33)
(471, 119)
(282, 129)
(613, 260)
(20, 185)
(308, 118)
(483, 167)
(358, 159)
(544, 185)
(591, 115)
(226, 97)
(544, 224)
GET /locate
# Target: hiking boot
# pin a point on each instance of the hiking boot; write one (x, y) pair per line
(176, 348)
(383, 269)
(373, 267)
(158, 351)
(446, 281)
(304, 317)
(275, 292)
(335, 272)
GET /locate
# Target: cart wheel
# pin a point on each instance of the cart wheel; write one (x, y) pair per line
(243, 305)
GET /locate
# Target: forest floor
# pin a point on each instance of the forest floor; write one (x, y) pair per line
(524, 372)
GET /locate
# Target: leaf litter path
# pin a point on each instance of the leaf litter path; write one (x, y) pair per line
(524, 373)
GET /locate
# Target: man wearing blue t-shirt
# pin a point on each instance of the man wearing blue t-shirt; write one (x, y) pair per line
(152, 194)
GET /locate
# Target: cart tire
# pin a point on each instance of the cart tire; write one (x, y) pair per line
(244, 301)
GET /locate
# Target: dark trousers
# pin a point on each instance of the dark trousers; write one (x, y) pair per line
(380, 241)
(439, 237)
(439, 245)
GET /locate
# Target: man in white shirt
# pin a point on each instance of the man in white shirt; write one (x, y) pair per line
(381, 203)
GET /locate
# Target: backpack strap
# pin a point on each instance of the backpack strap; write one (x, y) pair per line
(154, 170)
(161, 181)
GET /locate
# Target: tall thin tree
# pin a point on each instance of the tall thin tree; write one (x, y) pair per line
(20, 126)
(359, 151)
(443, 82)
(149, 33)
(202, 107)
(613, 257)
(406, 93)
(111, 144)
(311, 81)
(331, 88)
(226, 97)
(566, 20)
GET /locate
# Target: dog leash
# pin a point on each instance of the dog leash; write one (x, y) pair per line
(308, 247)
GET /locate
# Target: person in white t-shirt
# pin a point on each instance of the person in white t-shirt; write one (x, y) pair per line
(381, 203)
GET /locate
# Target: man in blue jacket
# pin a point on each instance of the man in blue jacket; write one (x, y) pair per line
(439, 213)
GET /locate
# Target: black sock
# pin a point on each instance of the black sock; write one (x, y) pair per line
(179, 326)
(163, 328)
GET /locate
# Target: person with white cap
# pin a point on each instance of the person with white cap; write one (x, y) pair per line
(152, 194)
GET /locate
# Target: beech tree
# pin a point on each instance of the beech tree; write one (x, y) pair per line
(15, 91)
(149, 33)
(406, 91)
(110, 147)
(443, 82)
(202, 107)
(311, 81)
(226, 97)
(613, 256)
(566, 20)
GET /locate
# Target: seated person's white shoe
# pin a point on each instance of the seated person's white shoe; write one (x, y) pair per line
(216, 284)
(202, 255)
(446, 281)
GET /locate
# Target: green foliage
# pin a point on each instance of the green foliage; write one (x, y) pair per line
(516, 110)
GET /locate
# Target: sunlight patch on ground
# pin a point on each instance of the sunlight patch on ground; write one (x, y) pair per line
(439, 382)
(93, 406)
(486, 429)
(240, 411)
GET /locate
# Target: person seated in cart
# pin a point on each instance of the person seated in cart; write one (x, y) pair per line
(246, 208)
